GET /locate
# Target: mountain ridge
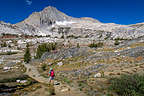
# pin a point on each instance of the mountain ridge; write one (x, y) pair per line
(42, 23)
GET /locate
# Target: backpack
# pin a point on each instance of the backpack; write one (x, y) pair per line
(52, 73)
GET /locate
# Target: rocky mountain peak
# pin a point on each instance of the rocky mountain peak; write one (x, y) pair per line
(51, 13)
(46, 17)
(50, 8)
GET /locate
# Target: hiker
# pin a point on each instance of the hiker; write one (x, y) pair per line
(51, 74)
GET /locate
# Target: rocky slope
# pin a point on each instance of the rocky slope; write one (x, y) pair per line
(51, 21)
(8, 28)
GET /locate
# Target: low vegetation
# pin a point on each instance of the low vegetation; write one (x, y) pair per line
(78, 45)
(120, 39)
(27, 55)
(50, 89)
(128, 85)
(62, 37)
(44, 67)
(8, 53)
(95, 45)
(6, 80)
(116, 42)
(73, 36)
(4, 44)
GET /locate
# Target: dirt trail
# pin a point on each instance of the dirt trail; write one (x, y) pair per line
(60, 90)
(33, 73)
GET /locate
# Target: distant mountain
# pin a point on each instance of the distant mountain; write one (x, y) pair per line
(50, 21)
(8, 28)
(138, 25)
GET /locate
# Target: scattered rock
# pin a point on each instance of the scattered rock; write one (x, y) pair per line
(98, 75)
(6, 68)
(21, 81)
(67, 53)
(17, 81)
(65, 90)
(60, 63)
(56, 83)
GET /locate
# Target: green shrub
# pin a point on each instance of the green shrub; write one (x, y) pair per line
(44, 66)
(48, 35)
(4, 44)
(27, 55)
(62, 37)
(128, 85)
(73, 36)
(66, 80)
(100, 36)
(9, 46)
(116, 42)
(95, 45)
(120, 39)
(86, 36)
(106, 38)
(78, 46)
(10, 53)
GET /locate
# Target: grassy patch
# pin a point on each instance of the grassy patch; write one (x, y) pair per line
(106, 49)
(137, 45)
(50, 89)
(8, 53)
(117, 60)
(73, 66)
(128, 85)
(27, 89)
(73, 36)
(22, 77)
(66, 80)
(69, 64)
(116, 42)
(121, 39)
(95, 45)
(82, 84)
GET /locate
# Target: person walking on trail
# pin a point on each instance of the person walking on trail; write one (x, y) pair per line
(51, 74)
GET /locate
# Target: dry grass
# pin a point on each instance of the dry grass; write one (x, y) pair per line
(137, 45)
(139, 58)
(105, 49)
(36, 90)
(118, 60)
(73, 66)
(68, 64)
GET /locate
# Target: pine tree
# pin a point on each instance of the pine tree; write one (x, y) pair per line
(44, 48)
(78, 46)
(27, 55)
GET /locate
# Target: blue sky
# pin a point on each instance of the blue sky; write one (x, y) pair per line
(107, 11)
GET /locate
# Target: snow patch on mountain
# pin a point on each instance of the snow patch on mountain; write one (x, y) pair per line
(64, 22)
